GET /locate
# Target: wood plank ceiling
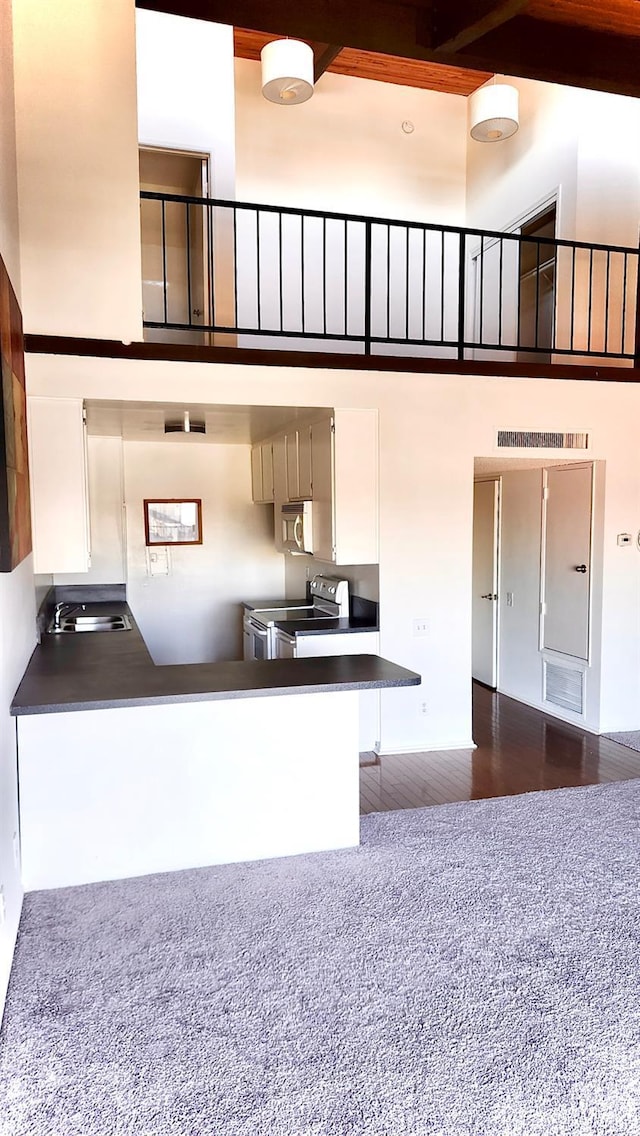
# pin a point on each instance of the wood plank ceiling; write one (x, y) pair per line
(584, 43)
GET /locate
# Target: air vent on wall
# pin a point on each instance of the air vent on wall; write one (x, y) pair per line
(564, 686)
(541, 440)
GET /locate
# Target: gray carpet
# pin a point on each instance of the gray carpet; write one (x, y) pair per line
(470, 970)
(628, 738)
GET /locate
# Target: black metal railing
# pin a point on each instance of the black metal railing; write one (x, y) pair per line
(219, 268)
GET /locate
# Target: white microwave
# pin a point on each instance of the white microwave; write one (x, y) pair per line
(296, 528)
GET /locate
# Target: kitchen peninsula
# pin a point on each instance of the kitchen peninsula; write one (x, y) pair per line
(128, 768)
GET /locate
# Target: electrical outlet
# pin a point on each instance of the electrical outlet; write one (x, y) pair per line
(420, 627)
(423, 708)
(509, 599)
(3, 907)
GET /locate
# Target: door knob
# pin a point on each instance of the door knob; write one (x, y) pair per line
(581, 568)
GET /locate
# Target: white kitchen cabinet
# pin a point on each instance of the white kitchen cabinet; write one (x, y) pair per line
(280, 492)
(353, 643)
(59, 485)
(344, 459)
(298, 458)
(262, 473)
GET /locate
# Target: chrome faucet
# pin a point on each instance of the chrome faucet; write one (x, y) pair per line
(57, 611)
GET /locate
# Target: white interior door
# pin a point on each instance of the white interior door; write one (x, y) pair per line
(567, 560)
(484, 640)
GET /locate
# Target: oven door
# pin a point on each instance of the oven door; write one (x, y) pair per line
(257, 641)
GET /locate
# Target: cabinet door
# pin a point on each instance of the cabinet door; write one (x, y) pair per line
(293, 482)
(280, 492)
(322, 440)
(266, 454)
(59, 485)
(305, 487)
(256, 474)
(355, 643)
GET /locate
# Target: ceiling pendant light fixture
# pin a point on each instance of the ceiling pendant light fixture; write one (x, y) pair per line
(185, 425)
(287, 71)
(493, 112)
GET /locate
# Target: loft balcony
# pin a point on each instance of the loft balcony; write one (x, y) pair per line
(222, 273)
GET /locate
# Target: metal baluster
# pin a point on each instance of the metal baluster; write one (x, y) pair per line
(367, 289)
(624, 303)
(537, 291)
(188, 235)
(501, 242)
(302, 295)
(424, 284)
(573, 293)
(606, 303)
(590, 298)
(324, 275)
(235, 267)
(258, 272)
(406, 285)
(281, 299)
(164, 264)
(461, 292)
(346, 277)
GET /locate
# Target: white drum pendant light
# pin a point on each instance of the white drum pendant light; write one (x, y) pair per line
(493, 112)
(287, 71)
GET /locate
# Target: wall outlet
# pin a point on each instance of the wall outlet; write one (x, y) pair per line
(509, 599)
(3, 907)
(420, 627)
(423, 708)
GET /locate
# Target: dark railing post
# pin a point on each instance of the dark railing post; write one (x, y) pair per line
(636, 352)
(367, 288)
(461, 293)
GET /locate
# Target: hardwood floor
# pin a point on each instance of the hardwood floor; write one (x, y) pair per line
(519, 750)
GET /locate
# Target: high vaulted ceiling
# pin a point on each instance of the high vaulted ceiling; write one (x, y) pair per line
(584, 43)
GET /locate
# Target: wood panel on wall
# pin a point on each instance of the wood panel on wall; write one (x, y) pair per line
(15, 510)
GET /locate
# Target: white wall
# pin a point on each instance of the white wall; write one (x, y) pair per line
(193, 615)
(185, 90)
(431, 427)
(344, 150)
(77, 168)
(106, 513)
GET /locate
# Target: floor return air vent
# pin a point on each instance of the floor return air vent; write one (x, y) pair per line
(564, 686)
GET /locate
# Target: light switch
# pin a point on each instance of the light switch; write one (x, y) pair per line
(509, 599)
(158, 562)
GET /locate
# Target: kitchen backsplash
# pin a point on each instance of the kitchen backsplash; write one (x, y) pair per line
(363, 578)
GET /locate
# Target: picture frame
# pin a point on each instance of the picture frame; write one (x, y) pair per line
(15, 507)
(172, 520)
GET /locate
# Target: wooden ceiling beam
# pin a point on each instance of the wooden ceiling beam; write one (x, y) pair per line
(456, 26)
(531, 48)
(323, 56)
(558, 53)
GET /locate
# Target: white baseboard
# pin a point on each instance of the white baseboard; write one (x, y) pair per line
(430, 747)
(552, 711)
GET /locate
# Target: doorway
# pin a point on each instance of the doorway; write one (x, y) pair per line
(175, 241)
(537, 288)
(535, 528)
(484, 608)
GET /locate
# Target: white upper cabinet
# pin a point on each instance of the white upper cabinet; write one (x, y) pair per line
(59, 485)
(262, 473)
(334, 462)
(344, 454)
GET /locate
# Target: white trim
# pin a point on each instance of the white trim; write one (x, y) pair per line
(428, 748)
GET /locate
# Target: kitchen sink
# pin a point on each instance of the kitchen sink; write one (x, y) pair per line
(74, 623)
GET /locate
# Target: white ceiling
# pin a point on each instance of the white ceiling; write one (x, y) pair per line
(226, 425)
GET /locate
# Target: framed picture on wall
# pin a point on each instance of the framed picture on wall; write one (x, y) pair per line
(173, 521)
(15, 510)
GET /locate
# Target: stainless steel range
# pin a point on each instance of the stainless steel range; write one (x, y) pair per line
(329, 598)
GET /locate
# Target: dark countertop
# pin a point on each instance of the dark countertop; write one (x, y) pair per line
(99, 670)
(323, 625)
